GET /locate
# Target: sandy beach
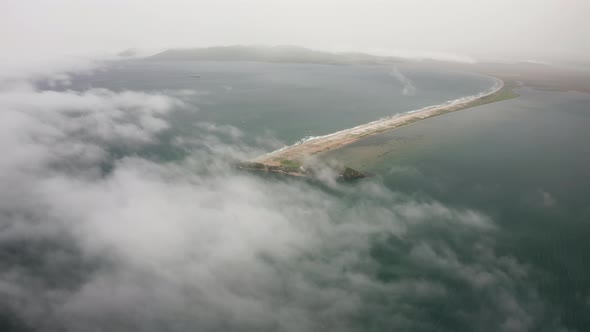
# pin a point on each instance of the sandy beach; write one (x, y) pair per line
(303, 150)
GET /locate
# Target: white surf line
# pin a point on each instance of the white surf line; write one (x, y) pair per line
(383, 123)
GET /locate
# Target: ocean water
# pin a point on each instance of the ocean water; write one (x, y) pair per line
(476, 220)
(287, 101)
(525, 163)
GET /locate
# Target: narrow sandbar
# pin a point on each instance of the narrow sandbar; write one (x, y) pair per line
(302, 151)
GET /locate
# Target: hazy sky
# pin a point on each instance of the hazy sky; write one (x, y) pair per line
(480, 28)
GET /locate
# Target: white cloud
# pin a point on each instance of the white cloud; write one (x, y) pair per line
(192, 244)
(52, 116)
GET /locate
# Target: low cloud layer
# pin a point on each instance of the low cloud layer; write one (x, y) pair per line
(191, 244)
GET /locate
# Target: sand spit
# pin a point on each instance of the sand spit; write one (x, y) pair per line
(315, 145)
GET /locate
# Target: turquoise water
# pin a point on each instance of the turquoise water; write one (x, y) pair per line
(476, 220)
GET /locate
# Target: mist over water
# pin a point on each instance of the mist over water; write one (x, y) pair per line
(121, 211)
(279, 100)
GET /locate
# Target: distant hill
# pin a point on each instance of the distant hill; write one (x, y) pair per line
(536, 75)
(292, 54)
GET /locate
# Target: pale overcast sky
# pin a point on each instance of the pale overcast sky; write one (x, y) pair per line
(525, 29)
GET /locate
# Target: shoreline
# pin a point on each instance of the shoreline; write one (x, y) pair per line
(300, 152)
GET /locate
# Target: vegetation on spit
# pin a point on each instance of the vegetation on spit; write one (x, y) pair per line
(295, 168)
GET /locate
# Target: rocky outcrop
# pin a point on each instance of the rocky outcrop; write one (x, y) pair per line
(346, 174)
(352, 174)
